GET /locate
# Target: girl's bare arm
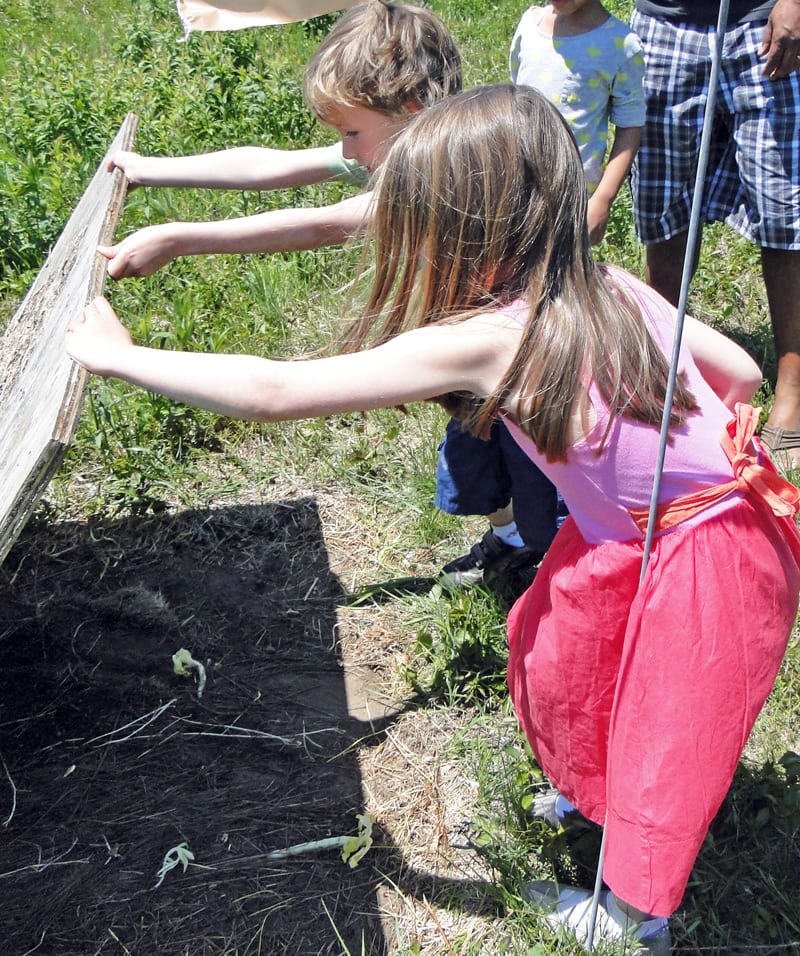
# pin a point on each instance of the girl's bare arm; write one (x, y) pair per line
(416, 365)
(728, 369)
(620, 159)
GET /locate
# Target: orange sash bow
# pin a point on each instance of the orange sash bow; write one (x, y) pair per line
(761, 481)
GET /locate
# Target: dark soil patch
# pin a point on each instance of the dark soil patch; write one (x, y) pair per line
(110, 759)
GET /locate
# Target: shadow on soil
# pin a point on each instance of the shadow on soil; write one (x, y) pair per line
(110, 760)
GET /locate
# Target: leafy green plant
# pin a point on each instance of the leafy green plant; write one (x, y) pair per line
(461, 646)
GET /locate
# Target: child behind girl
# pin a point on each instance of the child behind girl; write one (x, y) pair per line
(637, 698)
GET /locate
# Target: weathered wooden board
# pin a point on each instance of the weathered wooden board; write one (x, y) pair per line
(40, 386)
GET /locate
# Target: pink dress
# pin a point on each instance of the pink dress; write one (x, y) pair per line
(638, 699)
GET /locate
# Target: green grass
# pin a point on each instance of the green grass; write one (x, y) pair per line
(71, 71)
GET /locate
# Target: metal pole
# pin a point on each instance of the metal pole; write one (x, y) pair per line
(686, 278)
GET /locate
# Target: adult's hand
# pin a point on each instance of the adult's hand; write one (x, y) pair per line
(781, 42)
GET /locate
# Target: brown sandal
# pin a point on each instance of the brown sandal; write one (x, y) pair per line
(780, 439)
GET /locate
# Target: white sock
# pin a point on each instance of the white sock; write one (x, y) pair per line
(508, 534)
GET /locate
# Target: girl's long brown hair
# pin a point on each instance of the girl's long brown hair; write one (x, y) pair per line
(482, 200)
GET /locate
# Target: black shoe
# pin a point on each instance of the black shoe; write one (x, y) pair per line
(488, 558)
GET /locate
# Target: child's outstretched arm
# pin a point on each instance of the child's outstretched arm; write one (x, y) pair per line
(280, 230)
(728, 369)
(243, 167)
(620, 159)
(413, 366)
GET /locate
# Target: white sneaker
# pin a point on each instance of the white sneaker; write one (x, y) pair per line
(569, 908)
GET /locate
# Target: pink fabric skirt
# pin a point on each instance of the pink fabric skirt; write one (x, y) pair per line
(638, 701)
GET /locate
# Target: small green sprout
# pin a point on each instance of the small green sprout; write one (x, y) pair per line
(178, 855)
(183, 663)
(353, 847)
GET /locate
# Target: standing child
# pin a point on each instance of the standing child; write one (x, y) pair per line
(636, 698)
(590, 66)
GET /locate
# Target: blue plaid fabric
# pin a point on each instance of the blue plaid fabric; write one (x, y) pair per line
(753, 177)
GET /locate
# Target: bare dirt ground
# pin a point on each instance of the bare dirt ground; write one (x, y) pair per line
(110, 760)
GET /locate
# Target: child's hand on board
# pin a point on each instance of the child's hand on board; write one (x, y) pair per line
(140, 254)
(126, 161)
(92, 340)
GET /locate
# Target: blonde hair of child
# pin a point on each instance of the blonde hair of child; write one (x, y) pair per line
(481, 201)
(385, 57)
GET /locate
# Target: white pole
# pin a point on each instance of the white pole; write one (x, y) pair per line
(686, 278)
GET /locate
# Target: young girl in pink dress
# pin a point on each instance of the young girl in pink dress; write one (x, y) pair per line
(637, 698)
